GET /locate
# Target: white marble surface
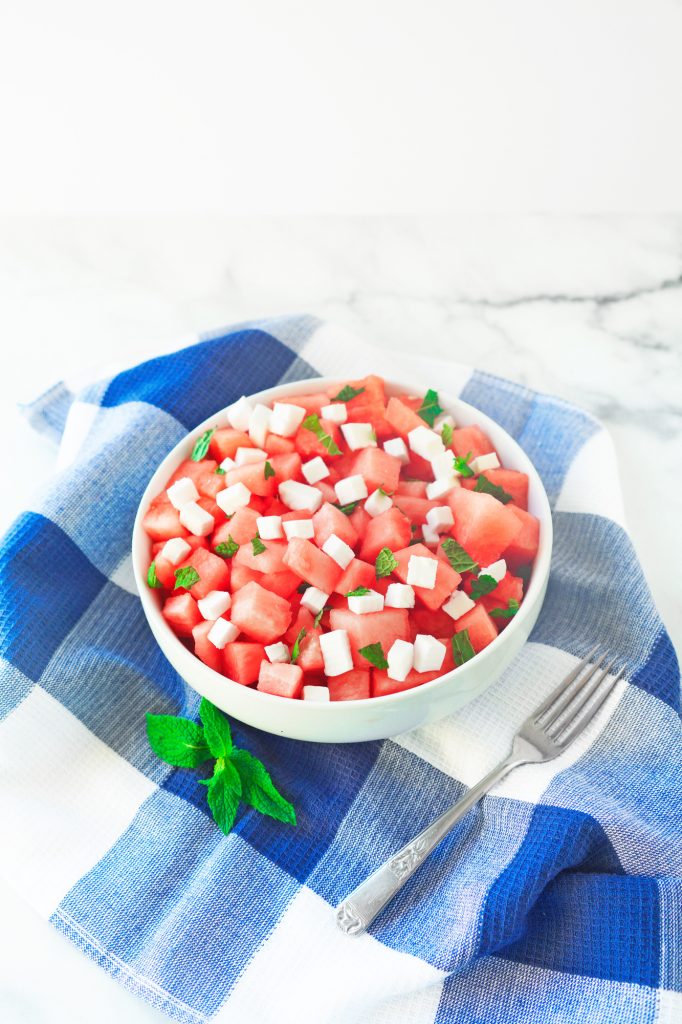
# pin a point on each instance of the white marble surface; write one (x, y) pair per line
(587, 308)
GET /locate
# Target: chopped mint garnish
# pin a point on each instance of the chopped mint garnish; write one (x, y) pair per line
(346, 393)
(258, 546)
(186, 577)
(386, 494)
(462, 465)
(152, 579)
(295, 650)
(374, 654)
(349, 508)
(482, 585)
(201, 447)
(358, 592)
(313, 424)
(446, 435)
(220, 471)
(228, 548)
(486, 487)
(318, 617)
(385, 563)
(268, 471)
(430, 408)
(506, 613)
(458, 557)
(461, 647)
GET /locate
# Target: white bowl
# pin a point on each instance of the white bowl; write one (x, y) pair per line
(377, 717)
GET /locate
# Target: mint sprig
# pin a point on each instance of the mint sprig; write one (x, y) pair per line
(430, 408)
(482, 585)
(153, 580)
(462, 465)
(461, 647)
(296, 649)
(349, 508)
(227, 548)
(446, 435)
(258, 546)
(358, 592)
(385, 563)
(220, 471)
(201, 447)
(313, 424)
(506, 613)
(458, 558)
(186, 577)
(486, 487)
(268, 471)
(374, 654)
(318, 618)
(347, 393)
(237, 774)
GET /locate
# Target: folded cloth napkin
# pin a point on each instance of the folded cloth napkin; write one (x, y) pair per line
(558, 898)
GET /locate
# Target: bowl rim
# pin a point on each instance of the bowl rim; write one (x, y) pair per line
(463, 412)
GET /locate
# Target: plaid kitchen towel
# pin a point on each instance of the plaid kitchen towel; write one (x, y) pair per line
(557, 899)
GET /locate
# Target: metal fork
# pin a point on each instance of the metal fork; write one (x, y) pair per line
(545, 734)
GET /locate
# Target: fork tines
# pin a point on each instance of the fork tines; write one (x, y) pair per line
(559, 716)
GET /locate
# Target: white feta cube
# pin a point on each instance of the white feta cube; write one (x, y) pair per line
(396, 447)
(315, 469)
(182, 492)
(400, 659)
(278, 652)
(399, 595)
(438, 488)
(175, 550)
(440, 518)
(337, 549)
(196, 519)
(483, 462)
(317, 694)
(425, 443)
(239, 414)
(227, 464)
(299, 497)
(443, 466)
(429, 653)
(362, 604)
(496, 569)
(244, 456)
(233, 497)
(430, 536)
(286, 419)
(359, 435)
(314, 600)
(336, 652)
(259, 424)
(421, 571)
(377, 503)
(458, 605)
(299, 528)
(269, 527)
(442, 420)
(335, 413)
(222, 632)
(214, 604)
(350, 488)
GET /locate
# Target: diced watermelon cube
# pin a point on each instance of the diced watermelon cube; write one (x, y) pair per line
(280, 679)
(252, 475)
(308, 445)
(471, 439)
(241, 527)
(482, 629)
(378, 468)
(360, 520)
(225, 441)
(326, 490)
(242, 661)
(389, 530)
(161, 521)
(311, 403)
(204, 475)
(483, 525)
(524, 547)
(204, 649)
(353, 685)
(358, 574)
(513, 482)
(165, 572)
(510, 588)
(260, 614)
(276, 445)
(376, 627)
(447, 579)
(240, 576)
(401, 417)
(412, 488)
(415, 508)
(268, 561)
(287, 466)
(302, 620)
(181, 613)
(312, 565)
(282, 583)
(433, 623)
(310, 652)
(328, 520)
(214, 572)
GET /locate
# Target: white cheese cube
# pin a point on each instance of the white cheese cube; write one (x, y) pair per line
(239, 414)
(443, 466)
(350, 488)
(421, 571)
(378, 503)
(440, 422)
(335, 413)
(429, 653)
(458, 605)
(336, 652)
(244, 456)
(298, 497)
(430, 536)
(399, 595)
(222, 632)
(315, 469)
(317, 694)
(359, 435)
(278, 652)
(259, 424)
(269, 527)
(227, 464)
(440, 518)
(314, 600)
(337, 549)
(425, 443)
(196, 519)
(286, 419)
(182, 492)
(299, 528)
(483, 462)
(233, 497)
(362, 604)
(396, 447)
(497, 570)
(400, 659)
(438, 488)
(214, 604)
(175, 550)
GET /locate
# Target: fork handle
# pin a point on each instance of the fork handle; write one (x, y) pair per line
(355, 914)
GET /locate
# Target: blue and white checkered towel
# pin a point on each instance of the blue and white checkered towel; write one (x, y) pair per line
(559, 898)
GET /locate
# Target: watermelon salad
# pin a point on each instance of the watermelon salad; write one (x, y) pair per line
(340, 545)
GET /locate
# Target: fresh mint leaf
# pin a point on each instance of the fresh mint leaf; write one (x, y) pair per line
(446, 435)
(347, 393)
(201, 447)
(486, 487)
(461, 647)
(217, 732)
(458, 558)
(482, 585)
(224, 790)
(318, 617)
(358, 592)
(258, 789)
(228, 548)
(386, 494)
(177, 741)
(186, 577)
(462, 465)
(506, 613)
(385, 563)
(152, 579)
(430, 408)
(349, 508)
(258, 546)
(374, 654)
(313, 424)
(220, 471)
(296, 649)
(268, 471)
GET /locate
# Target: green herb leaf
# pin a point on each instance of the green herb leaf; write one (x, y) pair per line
(152, 579)
(462, 465)
(358, 592)
(430, 408)
(461, 647)
(385, 563)
(201, 447)
(506, 613)
(446, 435)
(484, 485)
(220, 471)
(318, 617)
(224, 791)
(313, 424)
(458, 558)
(295, 650)
(186, 577)
(259, 790)
(386, 494)
(482, 585)
(347, 509)
(177, 741)
(258, 545)
(228, 548)
(217, 730)
(268, 471)
(302, 587)
(374, 654)
(346, 393)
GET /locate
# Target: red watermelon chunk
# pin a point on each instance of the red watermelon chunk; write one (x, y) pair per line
(311, 403)
(376, 627)
(382, 685)
(378, 468)
(482, 629)
(202, 473)
(161, 521)
(389, 530)
(415, 508)
(260, 614)
(181, 613)
(353, 685)
(471, 439)
(401, 417)
(510, 588)
(268, 561)
(204, 649)
(328, 520)
(447, 579)
(358, 574)
(242, 661)
(252, 475)
(276, 445)
(308, 445)
(524, 546)
(312, 565)
(483, 525)
(241, 527)
(281, 679)
(214, 572)
(512, 482)
(225, 441)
